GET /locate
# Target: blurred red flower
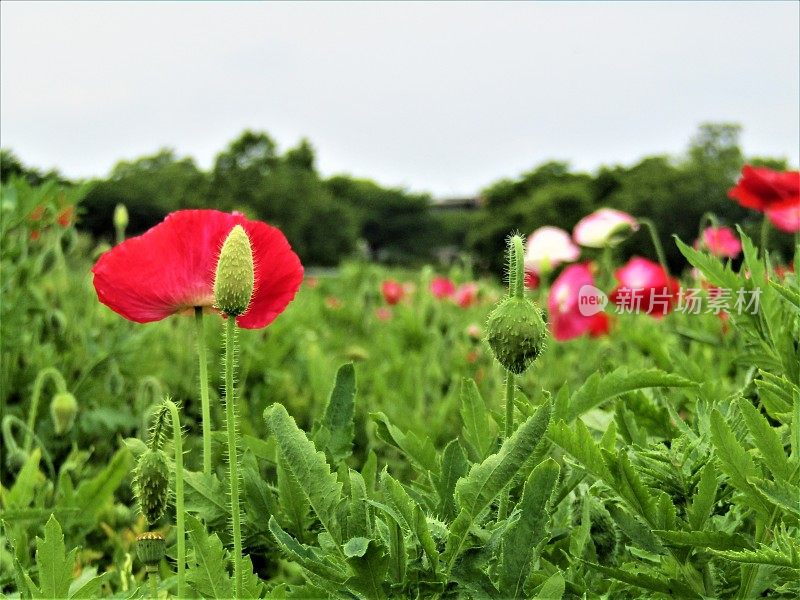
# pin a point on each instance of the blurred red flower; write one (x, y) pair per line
(333, 303)
(171, 268)
(392, 291)
(785, 218)
(383, 313)
(466, 294)
(644, 287)
(65, 215)
(531, 280)
(721, 241)
(442, 287)
(762, 188)
(567, 319)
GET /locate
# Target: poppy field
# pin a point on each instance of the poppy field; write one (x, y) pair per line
(192, 413)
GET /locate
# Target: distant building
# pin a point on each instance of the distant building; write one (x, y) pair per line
(458, 203)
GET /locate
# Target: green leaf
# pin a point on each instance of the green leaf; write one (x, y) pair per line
(704, 499)
(411, 514)
(94, 494)
(780, 493)
(640, 533)
(524, 534)
(294, 503)
(356, 546)
(22, 492)
(311, 559)
(478, 425)
(55, 565)
(762, 556)
(307, 466)
(552, 588)
(420, 451)
(717, 273)
(335, 434)
(206, 496)
(736, 462)
(579, 444)
(207, 572)
(454, 467)
(359, 522)
(717, 540)
(369, 572)
(486, 480)
(601, 388)
(766, 440)
(637, 495)
(638, 578)
(88, 585)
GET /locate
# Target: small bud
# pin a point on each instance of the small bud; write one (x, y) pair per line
(63, 408)
(151, 548)
(120, 217)
(151, 484)
(516, 333)
(233, 284)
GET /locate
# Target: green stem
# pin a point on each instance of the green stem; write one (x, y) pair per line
(502, 511)
(765, 226)
(177, 437)
(152, 579)
(518, 281)
(38, 385)
(651, 228)
(204, 402)
(233, 457)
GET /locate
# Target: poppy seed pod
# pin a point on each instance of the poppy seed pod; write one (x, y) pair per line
(151, 484)
(516, 333)
(63, 408)
(234, 281)
(150, 548)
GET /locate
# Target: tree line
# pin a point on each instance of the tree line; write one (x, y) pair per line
(330, 219)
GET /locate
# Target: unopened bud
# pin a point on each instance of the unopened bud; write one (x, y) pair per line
(63, 408)
(120, 217)
(234, 281)
(516, 333)
(151, 484)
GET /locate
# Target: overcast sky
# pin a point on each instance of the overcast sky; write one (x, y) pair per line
(436, 97)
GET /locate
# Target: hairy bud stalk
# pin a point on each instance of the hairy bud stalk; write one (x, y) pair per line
(235, 277)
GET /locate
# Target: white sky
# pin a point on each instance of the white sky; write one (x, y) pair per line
(436, 97)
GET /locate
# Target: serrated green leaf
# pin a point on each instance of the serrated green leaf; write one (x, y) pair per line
(22, 492)
(704, 499)
(780, 493)
(638, 496)
(640, 533)
(601, 388)
(206, 496)
(717, 273)
(420, 451)
(478, 425)
(454, 467)
(207, 570)
(552, 588)
(295, 506)
(766, 439)
(736, 462)
(311, 559)
(762, 556)
(335, 434)
(369, 572)
(55, 565)
(530, 528)
(358, 517)
(670, 587)
(717, 540)
(308, 467)
(487, 479)
(94, 494)
(579, 444)
(411, 514)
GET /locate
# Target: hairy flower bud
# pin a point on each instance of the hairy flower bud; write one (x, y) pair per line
(234, 281)
(120, 217)
(151, 484)
(63, 408)
(151, 548)
(516, 333)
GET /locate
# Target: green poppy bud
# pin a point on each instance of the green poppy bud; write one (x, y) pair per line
(516, 333)
(151, 548)
(151, 484)
(234, 281)
(120, 217)
(63, 408)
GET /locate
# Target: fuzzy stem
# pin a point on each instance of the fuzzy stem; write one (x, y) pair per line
(233, 458)
(765, 236)
(651, 228)
(38, 385)
(152, 579)
(206, 406)
(509, 429)
(179, 506)
(518, 288)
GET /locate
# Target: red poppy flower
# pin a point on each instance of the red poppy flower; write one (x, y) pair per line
(644, 287)
(171, 268)
(568, 317)
(531, 280)
(762, 188)
(721, 241)
(786, 218)
(466, 295)
(64, 217)
(442, 287)
(392, 291)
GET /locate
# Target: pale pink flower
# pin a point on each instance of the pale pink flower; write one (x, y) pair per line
(547, 248)
(604, 227)
(721, 241)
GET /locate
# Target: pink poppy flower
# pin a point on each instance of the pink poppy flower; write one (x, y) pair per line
(531, 280)
(762, 189)
(466, 295)
(604, 227)
(392, 291)
(442, 287)
(547, 248)
(567, 318)
(785, 218)
(644, 287)
(721, 241)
